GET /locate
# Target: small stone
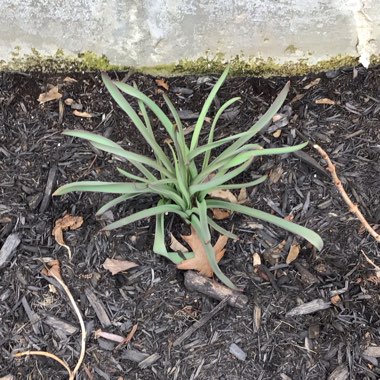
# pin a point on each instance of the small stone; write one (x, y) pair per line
(236, 351)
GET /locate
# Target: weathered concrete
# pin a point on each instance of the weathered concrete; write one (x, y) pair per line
(161, 32)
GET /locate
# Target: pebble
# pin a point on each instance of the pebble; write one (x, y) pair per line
(236, 351)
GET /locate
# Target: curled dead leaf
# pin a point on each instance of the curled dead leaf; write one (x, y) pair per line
(226, 195)
(117, 266)
(68, 222)
(243, 196)
(256, 260)
(82, 114)
(162, 83)
(325, 101)
(70, 80)
(176, 246)
(200, 262)
(52, 94)
(220, 214)
(53, 269)
(69, 101)
(335, 300)
(293, 253)
(313, 83)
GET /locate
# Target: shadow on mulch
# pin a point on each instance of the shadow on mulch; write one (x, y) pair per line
(328, 344)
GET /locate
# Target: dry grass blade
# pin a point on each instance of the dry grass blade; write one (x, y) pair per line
(352, 207)
(53, 270)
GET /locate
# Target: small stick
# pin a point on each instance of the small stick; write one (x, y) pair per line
(352, 207)
(197, 325)
(199, 283)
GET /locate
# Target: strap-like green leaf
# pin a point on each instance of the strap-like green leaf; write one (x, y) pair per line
(127, 108)
(260, 124)
(210, 253)
(205, 109)
(115, 202)
(146, 214)
(221, 230)
(307, 234)
(243, 157)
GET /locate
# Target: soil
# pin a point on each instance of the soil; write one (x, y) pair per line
(340, 342)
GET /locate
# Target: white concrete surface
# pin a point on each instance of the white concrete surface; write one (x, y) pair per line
(154, 32)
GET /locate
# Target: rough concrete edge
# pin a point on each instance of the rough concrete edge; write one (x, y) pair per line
(89, 61)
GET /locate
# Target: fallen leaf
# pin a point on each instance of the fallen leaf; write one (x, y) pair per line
(63, 224)
(70, 80)
(162, 83)
(52, 94)
(277, 133)
(117, 266)
(200, 262)
(313, 83)
(335, 300)
(293, 253)
(297, 98)
(226, 195)
(69, 101)
(256, 260)
(53, 269)
(220, 214)
(243, 196)
(325, 101)
(176, 246)
(275, 174)
(82, 114)
(277, 117)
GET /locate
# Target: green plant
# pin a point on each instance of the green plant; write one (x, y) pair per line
(184, 178)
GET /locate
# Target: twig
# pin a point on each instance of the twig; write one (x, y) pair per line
(352, 207)
(201, 322)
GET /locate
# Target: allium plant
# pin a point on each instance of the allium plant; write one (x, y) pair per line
(185, 173)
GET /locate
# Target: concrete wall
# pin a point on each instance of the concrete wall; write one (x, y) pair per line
(154, 32)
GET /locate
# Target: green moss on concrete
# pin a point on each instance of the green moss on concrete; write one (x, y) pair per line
(58, 62)
(240, 66)
(291, 49)
(257, 66)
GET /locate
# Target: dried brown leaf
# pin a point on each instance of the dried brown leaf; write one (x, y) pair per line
(52, 94)
(82, 114)
(256, 259)
(162, 83)
(200, 262)
(277, 133)
(68, 222)
(293, 253)
(220, 214)
(69, 101)
(276, 174)
(226, 195)
(176, 246)
(117, 266)
(70, 80)
(297, 98)
(313, 83)
(325, 101)
(53, 269)
(335, 300)
(243, 196)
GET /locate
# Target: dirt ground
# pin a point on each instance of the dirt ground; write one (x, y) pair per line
(340, 342)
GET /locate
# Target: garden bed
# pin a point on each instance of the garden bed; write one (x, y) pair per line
(35, 159)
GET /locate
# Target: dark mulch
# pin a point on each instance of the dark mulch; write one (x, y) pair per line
(326, 344)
